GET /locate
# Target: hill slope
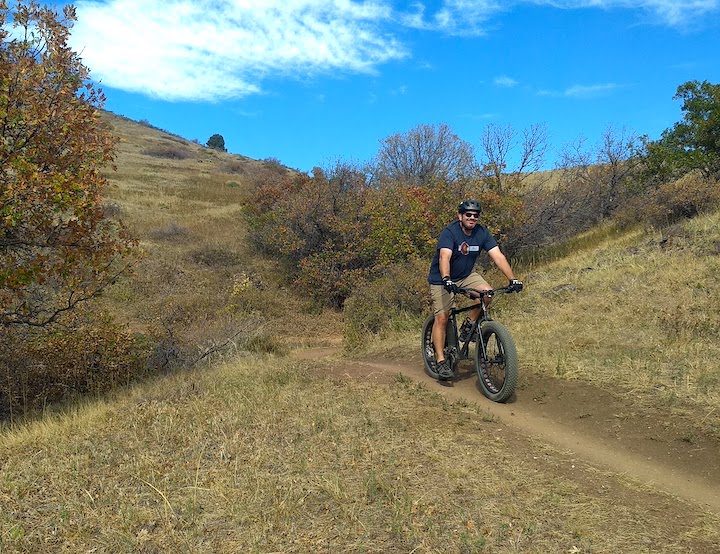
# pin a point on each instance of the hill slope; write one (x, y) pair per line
(184, 203)
(635, 312)
(362, 452)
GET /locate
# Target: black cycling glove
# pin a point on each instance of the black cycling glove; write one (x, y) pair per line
(515, 286)
(451, 287)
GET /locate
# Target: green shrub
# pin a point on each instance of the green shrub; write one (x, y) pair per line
(217, 142)
(248, 295)
(48, 365)
(683, 198)
(400, 292)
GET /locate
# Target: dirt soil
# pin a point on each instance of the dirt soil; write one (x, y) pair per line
(659, 452)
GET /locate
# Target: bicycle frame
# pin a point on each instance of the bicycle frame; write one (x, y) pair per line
(451, 331)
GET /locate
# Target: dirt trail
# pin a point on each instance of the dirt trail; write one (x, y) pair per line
(655, 449)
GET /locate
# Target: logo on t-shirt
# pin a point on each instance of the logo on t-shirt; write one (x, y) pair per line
(465, 248)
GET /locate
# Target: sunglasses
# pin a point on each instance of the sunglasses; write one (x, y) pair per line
(471, 215)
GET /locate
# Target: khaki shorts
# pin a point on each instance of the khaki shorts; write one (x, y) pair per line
(442, 300)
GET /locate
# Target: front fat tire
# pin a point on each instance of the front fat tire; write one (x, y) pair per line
(428, 351)
(503, 359)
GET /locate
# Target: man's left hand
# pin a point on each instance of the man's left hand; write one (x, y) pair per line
(515, 286)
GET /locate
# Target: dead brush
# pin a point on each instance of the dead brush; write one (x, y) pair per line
(89, 355)
(170, 232)
(214, 256)
(169, 151)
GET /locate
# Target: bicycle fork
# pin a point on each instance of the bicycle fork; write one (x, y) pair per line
(479, 343)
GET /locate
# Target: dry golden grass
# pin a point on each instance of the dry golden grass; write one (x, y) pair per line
(638, 313)
(184, 204)
(269, 457)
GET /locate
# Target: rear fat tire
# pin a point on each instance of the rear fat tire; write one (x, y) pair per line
(498, 375)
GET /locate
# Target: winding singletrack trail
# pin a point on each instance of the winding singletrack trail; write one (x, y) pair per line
(653, 449)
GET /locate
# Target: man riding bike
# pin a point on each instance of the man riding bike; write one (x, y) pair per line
(458, 248)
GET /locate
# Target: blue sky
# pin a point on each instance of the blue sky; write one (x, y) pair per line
(310, 82)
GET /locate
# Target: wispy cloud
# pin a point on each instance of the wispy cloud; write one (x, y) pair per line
(583, 91)
(466, 17)
(487, 116)
(590, 91)
(210, 50)
(682, 13)
(504, 81)
(454, 17)
(474, 17)
(676, 13)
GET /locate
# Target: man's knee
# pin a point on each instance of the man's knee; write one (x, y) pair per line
(441, 318)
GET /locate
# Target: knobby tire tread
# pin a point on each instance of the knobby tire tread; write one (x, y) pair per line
(507, 344)
(427, 343)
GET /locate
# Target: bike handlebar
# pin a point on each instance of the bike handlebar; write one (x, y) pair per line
(476, 293)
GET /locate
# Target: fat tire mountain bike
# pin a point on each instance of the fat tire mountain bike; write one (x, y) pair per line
(495, 354)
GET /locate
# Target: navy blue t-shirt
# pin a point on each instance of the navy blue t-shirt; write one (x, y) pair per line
(465, 250)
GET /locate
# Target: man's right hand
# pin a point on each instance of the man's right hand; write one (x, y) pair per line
(451, 287)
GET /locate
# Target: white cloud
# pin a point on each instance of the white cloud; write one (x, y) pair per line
(473, 17)
(667, 12)
(504, 81)
(218, 49)
(681, 13)
(590, 91)
(455, 17)
(583, 91)
(210, 50)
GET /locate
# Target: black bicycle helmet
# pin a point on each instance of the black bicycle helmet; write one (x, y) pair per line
(469, 206)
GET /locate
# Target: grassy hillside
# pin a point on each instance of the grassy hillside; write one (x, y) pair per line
(197, 290)
(265, 453)
(197, 273)
(635, 312)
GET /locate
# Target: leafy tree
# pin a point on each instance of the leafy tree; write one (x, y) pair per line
(56, 247)
(694, 142)
(312, 225)
(423, 154)
(217, 142)
(403, 222)
(345, 226)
